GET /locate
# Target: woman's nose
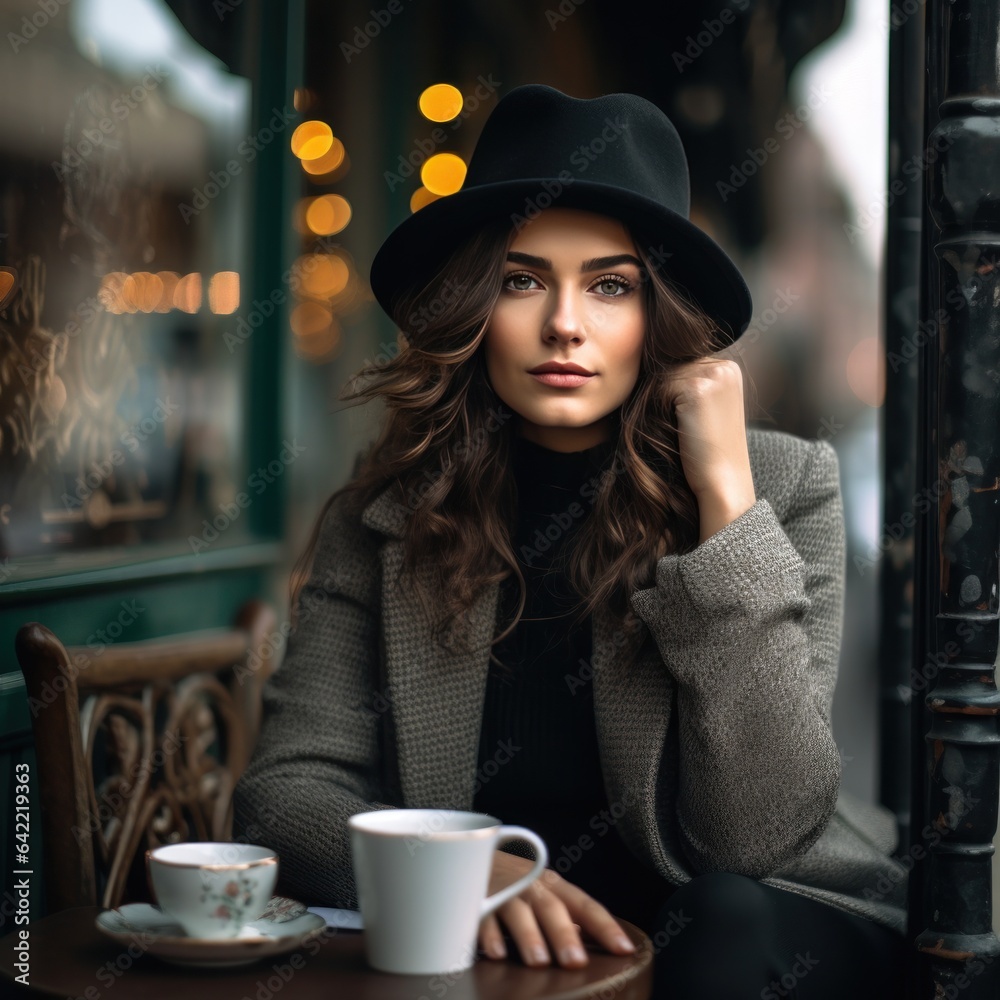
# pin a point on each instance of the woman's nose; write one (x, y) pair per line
(566, 320)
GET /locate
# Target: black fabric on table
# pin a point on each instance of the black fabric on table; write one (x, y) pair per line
(539, 764)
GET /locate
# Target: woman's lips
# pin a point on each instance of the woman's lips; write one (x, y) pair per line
(563, 380)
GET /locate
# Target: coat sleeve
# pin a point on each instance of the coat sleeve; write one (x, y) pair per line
(749, 623)
(316, 761)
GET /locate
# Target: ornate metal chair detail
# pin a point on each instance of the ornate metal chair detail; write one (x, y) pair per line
(138, 746)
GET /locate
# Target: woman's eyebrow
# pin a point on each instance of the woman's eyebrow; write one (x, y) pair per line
(594, 264)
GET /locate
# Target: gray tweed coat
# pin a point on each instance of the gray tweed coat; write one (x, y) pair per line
(713, 722)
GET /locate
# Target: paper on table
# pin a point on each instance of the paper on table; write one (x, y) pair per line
(344, 920)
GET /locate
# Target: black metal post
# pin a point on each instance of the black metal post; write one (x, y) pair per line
(898, 431)
(958, 627)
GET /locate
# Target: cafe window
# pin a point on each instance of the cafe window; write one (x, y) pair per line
(126, 161)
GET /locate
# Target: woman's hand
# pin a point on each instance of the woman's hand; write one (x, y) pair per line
(707, 396)
(551, 905)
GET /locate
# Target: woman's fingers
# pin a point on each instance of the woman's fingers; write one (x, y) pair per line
(491, 937)
(597, 921)
(561, 930)
(548, 920)
(519, 917)
(543, 930)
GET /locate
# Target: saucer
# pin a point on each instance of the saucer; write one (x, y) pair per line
(285, 925)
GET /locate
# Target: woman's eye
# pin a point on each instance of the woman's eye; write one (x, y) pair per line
(620, 283)
(518, 277)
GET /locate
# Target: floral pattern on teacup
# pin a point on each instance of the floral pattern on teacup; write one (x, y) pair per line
(232, 900)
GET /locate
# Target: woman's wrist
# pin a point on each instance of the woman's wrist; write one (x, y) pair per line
(720, 507)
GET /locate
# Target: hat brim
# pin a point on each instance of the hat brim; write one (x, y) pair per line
(414, 251)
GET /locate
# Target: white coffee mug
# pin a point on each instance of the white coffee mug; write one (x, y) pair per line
(212, 889)
(422, 876)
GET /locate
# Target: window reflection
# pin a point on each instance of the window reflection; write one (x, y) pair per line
(123, 257)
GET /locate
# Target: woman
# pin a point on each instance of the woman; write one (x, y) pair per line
(593, 604)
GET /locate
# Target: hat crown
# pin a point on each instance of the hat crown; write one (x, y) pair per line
(623, 140)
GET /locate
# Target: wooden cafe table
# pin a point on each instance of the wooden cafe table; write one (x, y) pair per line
(71, 958)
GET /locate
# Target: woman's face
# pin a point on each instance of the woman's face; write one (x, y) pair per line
(562, 301)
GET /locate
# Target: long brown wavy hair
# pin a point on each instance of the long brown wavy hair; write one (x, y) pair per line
(442, 446)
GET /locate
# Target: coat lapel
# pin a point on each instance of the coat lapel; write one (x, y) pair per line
(436, 692)
(633, 700)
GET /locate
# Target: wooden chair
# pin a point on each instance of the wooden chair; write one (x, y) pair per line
(138, 745)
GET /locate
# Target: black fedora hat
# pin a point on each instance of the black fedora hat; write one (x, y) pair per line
(619, 155)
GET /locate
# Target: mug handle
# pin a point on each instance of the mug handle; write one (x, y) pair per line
(506, 833)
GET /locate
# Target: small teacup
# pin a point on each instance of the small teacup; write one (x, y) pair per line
(212, 889)
(422, 877)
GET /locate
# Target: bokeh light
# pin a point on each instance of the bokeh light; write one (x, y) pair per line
(168, 285)
(443, 173)
(320, 276)
(224, 292)
(187, 293)
(328, 162)
(309, 318)
(441, 102)
(145, 292)
(422, 197)
(149, 291)
(311, 139)
(128, 298)
(328, 214)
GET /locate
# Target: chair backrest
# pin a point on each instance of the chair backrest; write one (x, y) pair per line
(139, 744)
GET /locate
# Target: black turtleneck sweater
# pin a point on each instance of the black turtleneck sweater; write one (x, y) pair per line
(539, 764)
